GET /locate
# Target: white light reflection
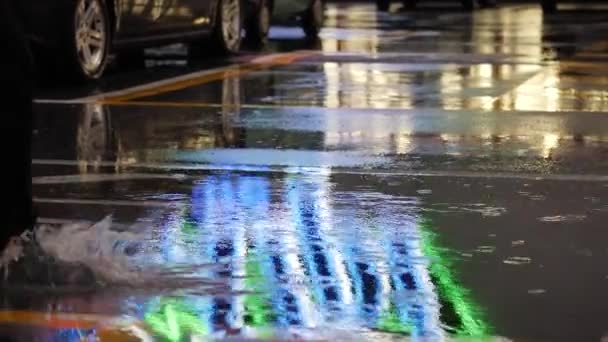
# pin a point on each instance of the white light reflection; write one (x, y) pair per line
(550, 142)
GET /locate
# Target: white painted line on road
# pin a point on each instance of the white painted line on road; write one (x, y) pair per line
(101, 177)
(340, 171)
(55, 101)
(159, 166)
(493, 175)
(156, 204)
(61, 221)
(64, 221)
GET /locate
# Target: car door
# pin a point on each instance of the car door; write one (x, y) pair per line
(204, 12)
(142, 19)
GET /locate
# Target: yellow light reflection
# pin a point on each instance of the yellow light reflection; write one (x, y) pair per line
(201, 21)
(550, 142)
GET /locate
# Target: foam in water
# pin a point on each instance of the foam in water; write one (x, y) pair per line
(12, 253)
(114, 257)
(96, 246)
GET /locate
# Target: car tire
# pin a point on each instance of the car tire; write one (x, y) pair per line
(383, 5)
(549, 6)
(227, 34)
(313, 19)
(84, 41)
(468, 5)
(259, 24)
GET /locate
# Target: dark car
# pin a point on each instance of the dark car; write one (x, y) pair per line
(73, 38)
(383, 5)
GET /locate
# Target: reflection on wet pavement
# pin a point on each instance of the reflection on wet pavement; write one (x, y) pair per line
(426, 174)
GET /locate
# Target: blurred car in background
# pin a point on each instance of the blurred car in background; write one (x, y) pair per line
(383, 5)
(309, 14)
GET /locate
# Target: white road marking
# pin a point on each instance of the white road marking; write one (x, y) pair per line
(341, 171)
(59, 101)
(101, 177)
(51, 220)
(65, 221)
(156, 204)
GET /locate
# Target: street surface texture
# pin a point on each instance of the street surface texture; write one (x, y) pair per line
(428, 174)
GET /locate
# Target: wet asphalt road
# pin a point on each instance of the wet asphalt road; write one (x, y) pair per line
(428, 174)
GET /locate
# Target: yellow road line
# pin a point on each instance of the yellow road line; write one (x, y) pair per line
(108, 328)
(54, 320)
(231, 71)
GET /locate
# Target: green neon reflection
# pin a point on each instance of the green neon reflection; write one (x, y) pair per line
(257, 309)
(391, 322)
(470, 317)
(174, 321)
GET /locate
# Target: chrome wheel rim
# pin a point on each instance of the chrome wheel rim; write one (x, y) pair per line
(231, 23)
(90, 35)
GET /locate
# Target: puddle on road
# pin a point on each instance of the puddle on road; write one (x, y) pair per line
(311, 254)
(302, 257)
(330, 255)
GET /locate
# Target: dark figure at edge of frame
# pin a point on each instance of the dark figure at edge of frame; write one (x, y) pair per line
(23, 263)
(16, 74)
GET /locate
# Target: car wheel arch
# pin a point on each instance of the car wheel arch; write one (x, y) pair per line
(213, 12)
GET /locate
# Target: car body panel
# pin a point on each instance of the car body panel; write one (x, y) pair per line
(137, 18)
(285, 11)
(138, 22)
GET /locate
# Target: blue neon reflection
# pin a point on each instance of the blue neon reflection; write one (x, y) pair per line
(313, 271)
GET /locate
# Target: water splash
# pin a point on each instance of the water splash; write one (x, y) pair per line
(537, 291)
(98, 247)
(486, 249)
(517, 260)
(485, 210)
(113, 257)
(563, 218)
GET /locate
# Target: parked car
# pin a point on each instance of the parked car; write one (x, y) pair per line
(309, 14)
(383, 5)
(74, 38)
